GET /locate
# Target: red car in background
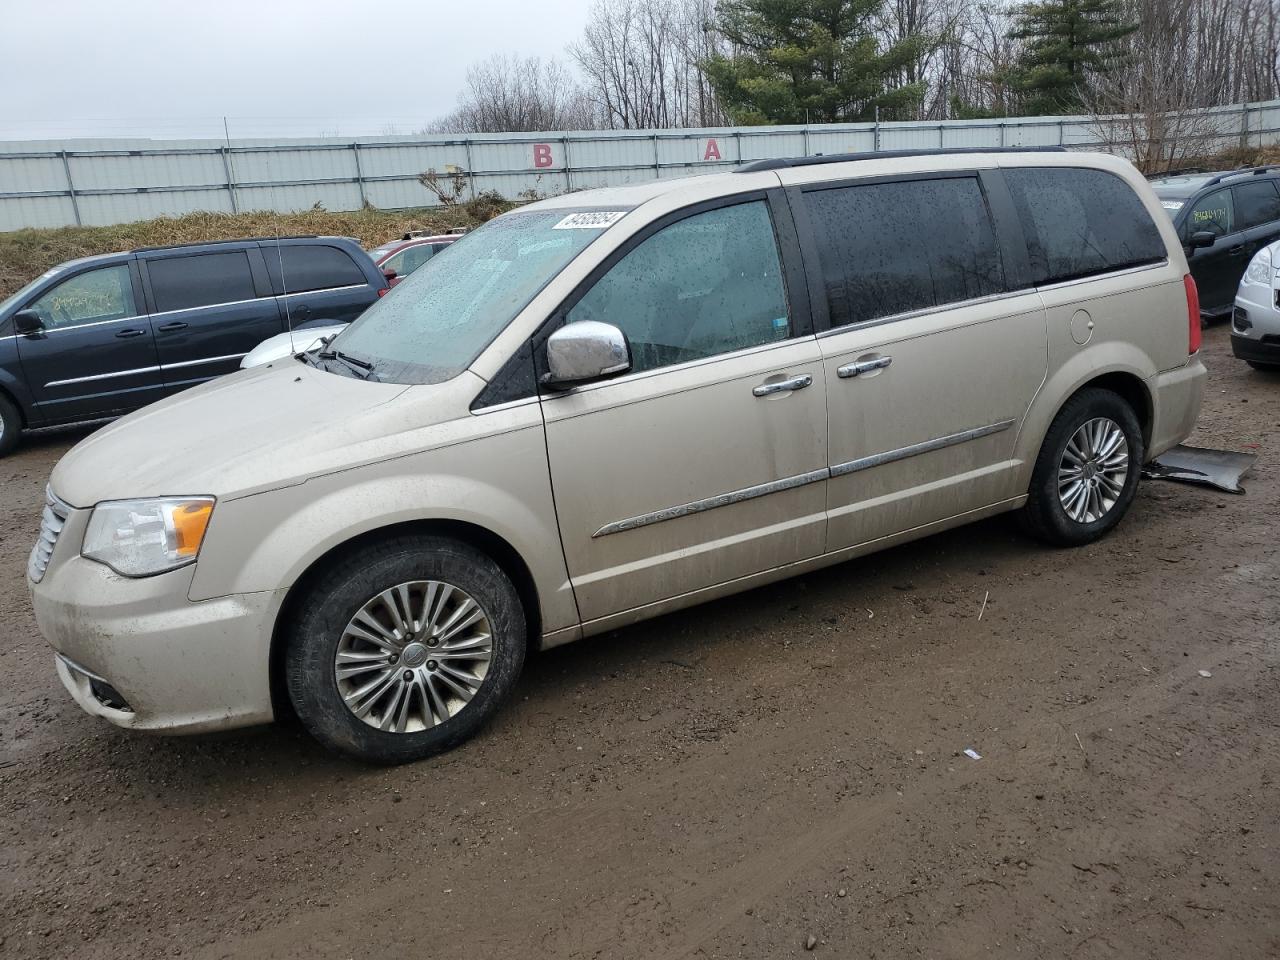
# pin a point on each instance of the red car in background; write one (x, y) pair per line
(399, 258)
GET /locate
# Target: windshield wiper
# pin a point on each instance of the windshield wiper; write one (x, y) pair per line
(361, 368)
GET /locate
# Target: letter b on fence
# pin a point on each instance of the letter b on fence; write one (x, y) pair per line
(542, 155)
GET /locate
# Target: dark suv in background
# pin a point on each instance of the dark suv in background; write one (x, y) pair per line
(1222, 219)
(101, 336)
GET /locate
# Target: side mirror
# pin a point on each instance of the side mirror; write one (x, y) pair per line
(583, 351)
(1201, 238)
(27, 322)
(389, 274)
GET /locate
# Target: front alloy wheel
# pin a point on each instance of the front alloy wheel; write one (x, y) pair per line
(403, 648)
(413, 656)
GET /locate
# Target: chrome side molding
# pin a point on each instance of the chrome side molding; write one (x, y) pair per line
(915, 449)
(710, 503)
(800, 479)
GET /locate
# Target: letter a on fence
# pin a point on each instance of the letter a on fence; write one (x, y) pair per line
(712, 152)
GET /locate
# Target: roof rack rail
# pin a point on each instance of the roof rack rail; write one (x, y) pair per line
(1243, 171)
(781, 163)
(209, 243)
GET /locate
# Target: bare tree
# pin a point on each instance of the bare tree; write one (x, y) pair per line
(507, 94)
(641, 62)
(1188, 54)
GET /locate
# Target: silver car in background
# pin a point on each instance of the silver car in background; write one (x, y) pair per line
(1255, 321)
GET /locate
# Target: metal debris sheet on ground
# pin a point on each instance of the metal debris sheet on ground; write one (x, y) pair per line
(1221, 469)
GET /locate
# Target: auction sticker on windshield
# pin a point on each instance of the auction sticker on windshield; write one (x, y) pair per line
(591, 220)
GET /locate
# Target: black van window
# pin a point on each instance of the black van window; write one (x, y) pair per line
(205, 279)
(889, 248)
(1078, 222)
(1214, 214)
(311, 266)
(1256, 203)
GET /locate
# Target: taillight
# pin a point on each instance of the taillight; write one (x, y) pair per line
(385, 290)
(1193, 315)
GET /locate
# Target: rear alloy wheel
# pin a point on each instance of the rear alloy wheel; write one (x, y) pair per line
(1093, 470)
(404, 648)
(1087, 472)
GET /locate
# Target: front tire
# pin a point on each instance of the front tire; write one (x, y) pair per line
(1087, 472)
(10, 425)
(403, 649)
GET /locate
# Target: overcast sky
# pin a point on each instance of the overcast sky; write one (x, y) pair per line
(174, 68)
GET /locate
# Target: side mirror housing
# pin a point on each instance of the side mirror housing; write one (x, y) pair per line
(1201, 238)
(389, 274)
(27, 322)
(585, 351)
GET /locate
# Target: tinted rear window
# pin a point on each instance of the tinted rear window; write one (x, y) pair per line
(889, 248)
(1080, 222)
(179, 283)
(312, 267)
(1256, 203)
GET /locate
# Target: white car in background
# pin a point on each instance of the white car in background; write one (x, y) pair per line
(1255, 321)
(289, 344)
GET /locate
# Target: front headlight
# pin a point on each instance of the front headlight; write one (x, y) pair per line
(1259, 269)
(138, 538)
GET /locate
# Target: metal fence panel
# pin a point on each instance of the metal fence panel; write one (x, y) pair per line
(53, 183)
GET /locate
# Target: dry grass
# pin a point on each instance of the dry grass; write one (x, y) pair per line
(25, 254)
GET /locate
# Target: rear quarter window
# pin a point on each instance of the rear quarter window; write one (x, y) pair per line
(311, 267)
(1078, 222)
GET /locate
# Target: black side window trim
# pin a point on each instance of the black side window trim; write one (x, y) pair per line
(1004, 224)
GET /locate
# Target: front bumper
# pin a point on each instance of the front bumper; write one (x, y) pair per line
(1255, 324)
(176, 666)
(1258, 350)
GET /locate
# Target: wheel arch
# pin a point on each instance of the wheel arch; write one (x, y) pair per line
(486, 541)
(1126, 376)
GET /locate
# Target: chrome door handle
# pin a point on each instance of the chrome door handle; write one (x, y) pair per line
(863, 366)
(782, 386)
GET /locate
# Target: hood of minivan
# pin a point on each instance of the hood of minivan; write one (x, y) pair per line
(255, 430)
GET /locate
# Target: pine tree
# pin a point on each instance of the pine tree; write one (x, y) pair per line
(1069, 43)
(799, 61)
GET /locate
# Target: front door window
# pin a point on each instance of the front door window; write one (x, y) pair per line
(707, 285)
(95, 296)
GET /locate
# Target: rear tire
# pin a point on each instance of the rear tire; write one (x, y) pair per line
(10, 425)
(403, 649)
(1086, 474)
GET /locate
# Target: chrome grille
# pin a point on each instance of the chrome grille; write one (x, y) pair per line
(51, 520)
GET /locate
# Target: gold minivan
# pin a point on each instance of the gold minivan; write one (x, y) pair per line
(613, 404)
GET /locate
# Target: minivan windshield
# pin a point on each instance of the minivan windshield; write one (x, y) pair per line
(436, 322)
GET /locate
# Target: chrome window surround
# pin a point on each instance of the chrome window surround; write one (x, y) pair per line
(801, 479)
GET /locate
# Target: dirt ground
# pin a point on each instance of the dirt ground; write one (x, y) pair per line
(733, 780)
